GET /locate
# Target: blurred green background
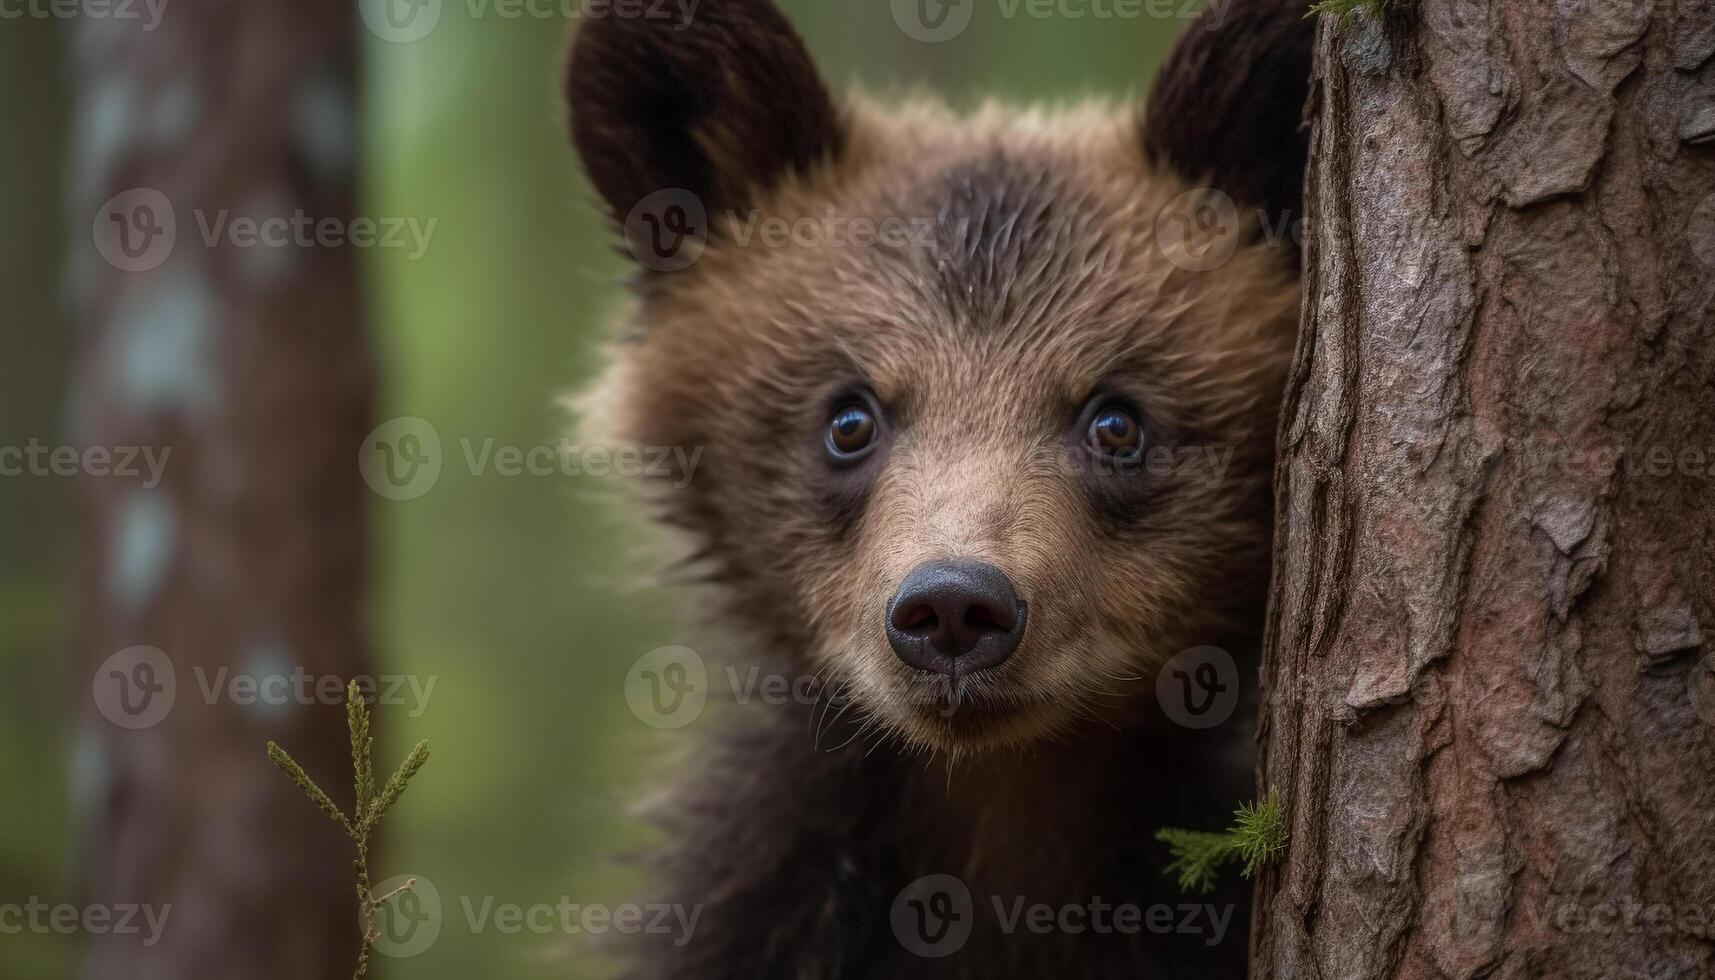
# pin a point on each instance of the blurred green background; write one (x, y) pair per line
(514, 593)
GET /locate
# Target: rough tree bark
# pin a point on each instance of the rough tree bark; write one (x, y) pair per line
(248, 362)
(1489, 709)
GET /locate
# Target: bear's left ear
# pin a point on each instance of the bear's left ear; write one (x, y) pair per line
(1227, 108)
(720, 104)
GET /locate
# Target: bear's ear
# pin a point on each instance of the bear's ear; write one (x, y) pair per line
(718, 104)
(1227, 109)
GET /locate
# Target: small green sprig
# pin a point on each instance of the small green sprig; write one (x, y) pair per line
(370, 808)
(1258, 836)
(1345, 10)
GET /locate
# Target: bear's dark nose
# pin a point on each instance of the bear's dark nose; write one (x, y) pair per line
(955, 617)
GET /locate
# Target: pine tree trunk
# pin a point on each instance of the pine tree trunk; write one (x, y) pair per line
(1489, 705)
(248, 362)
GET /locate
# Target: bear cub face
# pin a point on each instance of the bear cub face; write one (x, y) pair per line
(985, 404)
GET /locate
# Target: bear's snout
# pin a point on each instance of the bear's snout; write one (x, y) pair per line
(955, 618)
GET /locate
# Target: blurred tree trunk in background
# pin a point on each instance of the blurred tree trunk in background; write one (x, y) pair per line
(1489, 705)
(248, 361)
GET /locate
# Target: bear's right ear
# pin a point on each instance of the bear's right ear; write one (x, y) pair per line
(1228, 105)
(719, 104)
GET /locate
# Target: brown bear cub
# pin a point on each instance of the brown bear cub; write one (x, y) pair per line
(986, 409)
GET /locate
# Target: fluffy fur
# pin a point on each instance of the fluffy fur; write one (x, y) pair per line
(1029, 277)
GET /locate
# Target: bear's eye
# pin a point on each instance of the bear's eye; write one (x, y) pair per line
(1115, 432)
(851, 432)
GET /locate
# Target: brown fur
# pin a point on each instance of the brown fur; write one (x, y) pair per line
(1034, 279)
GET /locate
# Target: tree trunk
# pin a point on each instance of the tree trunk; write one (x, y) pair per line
(1488, 708)
(247, 362)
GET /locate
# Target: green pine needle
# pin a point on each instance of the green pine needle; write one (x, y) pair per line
(1258, 836)
(362, 751)
(396, 783)
(296, 773)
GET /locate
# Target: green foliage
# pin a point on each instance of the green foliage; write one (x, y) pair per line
(370, 808)
(1258, 835)
(1345, 10)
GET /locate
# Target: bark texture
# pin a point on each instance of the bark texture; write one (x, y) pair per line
(248, 362)
(1489, 706)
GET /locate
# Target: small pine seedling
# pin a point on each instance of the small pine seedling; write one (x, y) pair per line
(371, 806)
(1258, 836)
